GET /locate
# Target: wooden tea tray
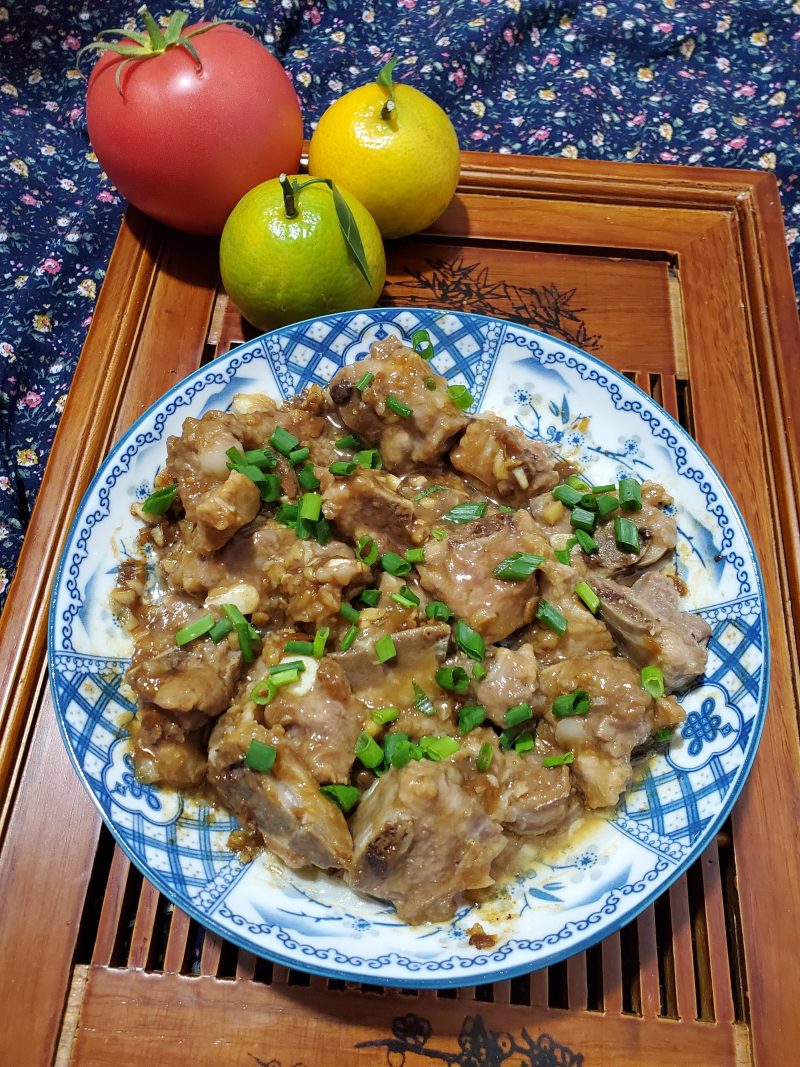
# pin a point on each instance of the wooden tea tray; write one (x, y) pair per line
(678, 277)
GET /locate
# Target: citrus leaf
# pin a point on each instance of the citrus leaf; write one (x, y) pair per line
(349, 229)
(385, 73)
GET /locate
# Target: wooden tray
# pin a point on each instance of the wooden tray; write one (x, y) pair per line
(678, 277)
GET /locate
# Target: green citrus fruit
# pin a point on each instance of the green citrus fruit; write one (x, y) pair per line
(401, 163)
(280, 267)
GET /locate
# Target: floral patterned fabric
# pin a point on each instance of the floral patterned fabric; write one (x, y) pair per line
(708, 82)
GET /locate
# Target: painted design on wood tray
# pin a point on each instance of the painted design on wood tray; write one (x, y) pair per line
(477, 1046)
(466, 286)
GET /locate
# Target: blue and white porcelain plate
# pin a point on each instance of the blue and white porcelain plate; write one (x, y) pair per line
(573, 893)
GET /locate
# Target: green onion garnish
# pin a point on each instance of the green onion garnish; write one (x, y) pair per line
(415, 555)
(454, 679)
(461, 396)
(310, 506)
(398, 407)
(551, 617)
(562, 760)
(603, 488)
(653, 681)
(626, 535)
(367, 550)
(466, 512)
(299, 455)
(385, 648)
(383, 715)
(299, 648)
(394, 564)
(283, 678)
(506, 738)
(244, 631)
(283, 441)
(350, 635)
(260, 757)
(429, 491)
(421, 343)
(287, 666)
(320, 640)
(485, 754)
(365, 381)
(519, 713)
(397, 749)
(562, 555)
(286, 514)
(589, 501)
(587, 543)
(368, 750)
(606, 505)
(630, 494)
(468, 640)
(430, 383)
(264, 691)
(438, 748)
(478, 671)
(405, 598)
(438, 611)
(195, 629)
(343, 796)
(588, 596)
(438, 534)
(518, 566)
(578, 483)
(371, 597)
(347, 611)
(524, 743)
(349, 442)
(369, 458)
(306, 477)
(159, 501)
(422, 702)
(220, 629)
(470, 716)
(581, 519)
(342, 469)
(269, 485)
(568, 496)
(665, 734)
(571, 704)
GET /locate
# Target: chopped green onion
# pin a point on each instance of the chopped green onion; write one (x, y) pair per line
(405, 598)
(478, 671)
(626, 535)
(220, 629)
(589, 501)
(283, 678)
(397, 749)
(349, 442)
(260, 757)
(343, 796)
(429, 491)
(383, 715)
(422, 702)
(286, 514)
(342, 469)
(369, 458)
(506, 738)
(349, 637)
(524, 743)
(517, 567)
(365, 381)
(461, 396)
(260, 457)
(430, 383)
(468, 640)
(665, 734)
(562, 760)
(194, 629)
(310, 506)
(606, 505)
(466, 512)
(551, 617)
(518, 714)
(323, 531)
(421, 343)
(438, 611)
(454, 679)
(562, 555)
(269, 485)
(653, 681)
(506, 510)
(438, 534)
(587, 543)
(306, 477)
(470, 716)
(299, 455)
(320, 640)
(568, 496)
(578, 483)
(571, 704)
(588, 596)
(249, 470)
(398, 407)
(159, 501)
(299, 648)
(368, 750)
(603, 488)
(630, 494)
(581, 519)
(438, 748)
(264, 691)
(415, 555)
(385, 648)
(347, 611)
(283, 441)
(371, 597)
(244, 631)
(287, 665)
(394, 564)
(485, 755)
(367, 550)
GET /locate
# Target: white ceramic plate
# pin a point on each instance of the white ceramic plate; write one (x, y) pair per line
(600, 876)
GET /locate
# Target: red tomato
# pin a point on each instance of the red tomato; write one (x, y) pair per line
(185, 144)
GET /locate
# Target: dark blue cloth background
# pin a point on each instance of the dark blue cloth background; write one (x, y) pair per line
(676, 81)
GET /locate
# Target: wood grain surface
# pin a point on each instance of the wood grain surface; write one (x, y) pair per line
(679, 278)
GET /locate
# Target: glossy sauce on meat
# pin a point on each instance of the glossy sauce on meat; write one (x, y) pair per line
(413, 735)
